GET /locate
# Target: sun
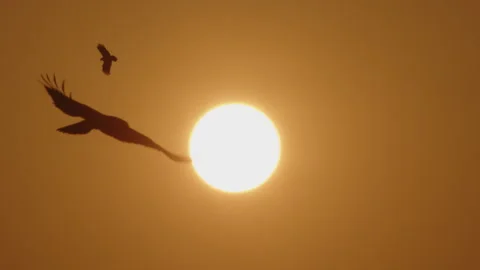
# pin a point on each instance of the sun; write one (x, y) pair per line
(235, 147)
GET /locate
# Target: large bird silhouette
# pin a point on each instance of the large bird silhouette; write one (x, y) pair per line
(92, 119)
(107, 58)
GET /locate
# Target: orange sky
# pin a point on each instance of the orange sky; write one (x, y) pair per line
(377, 104)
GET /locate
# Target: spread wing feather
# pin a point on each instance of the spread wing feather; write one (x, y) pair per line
(77, 109)
(66, 104)
(103, 50)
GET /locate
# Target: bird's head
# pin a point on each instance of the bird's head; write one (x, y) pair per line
(118, 122)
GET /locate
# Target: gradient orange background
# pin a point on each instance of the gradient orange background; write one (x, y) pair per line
(377, 103)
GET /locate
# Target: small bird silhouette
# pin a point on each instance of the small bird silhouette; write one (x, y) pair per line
(92, 119)
(107, 58)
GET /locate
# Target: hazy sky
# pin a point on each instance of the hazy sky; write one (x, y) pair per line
(377, 104)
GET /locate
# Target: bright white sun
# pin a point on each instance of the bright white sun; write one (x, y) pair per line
(235, 147)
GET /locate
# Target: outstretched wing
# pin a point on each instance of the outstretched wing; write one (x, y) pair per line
(66, 104)
(101, 48)
(107, 64)
(132, 136)
(82, 127)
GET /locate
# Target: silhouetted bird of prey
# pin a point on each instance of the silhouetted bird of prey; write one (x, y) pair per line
(107, 58)
(92, 119)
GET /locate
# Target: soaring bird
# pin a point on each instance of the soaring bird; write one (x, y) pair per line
(92, 119)
(107, 58)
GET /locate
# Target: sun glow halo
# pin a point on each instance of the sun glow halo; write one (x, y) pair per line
(235, 147)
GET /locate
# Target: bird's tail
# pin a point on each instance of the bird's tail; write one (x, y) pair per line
(114, 58)
(173, 156)
(82, 127)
